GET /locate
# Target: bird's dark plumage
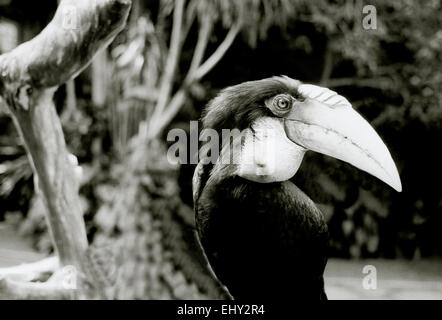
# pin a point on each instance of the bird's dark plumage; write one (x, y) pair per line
(238, 106)
(263, 240)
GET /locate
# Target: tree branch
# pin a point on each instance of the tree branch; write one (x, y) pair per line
(15, 290)
(328, 65)
(171, 62)
(180, 96)
(190, 18)
(29, 76)
(66, 46)
(201, 45)
(174, 106)
(218, 54)
(31, 271)
(140, 93)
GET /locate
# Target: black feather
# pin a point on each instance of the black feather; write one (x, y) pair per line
(266, 241)
(238, 106)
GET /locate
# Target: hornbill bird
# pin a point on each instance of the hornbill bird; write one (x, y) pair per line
(262, 236)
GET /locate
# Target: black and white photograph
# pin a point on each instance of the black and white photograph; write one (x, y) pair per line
(246, 151)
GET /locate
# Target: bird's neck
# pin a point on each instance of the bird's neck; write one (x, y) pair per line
(266, 154)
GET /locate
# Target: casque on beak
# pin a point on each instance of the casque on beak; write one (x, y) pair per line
(326, 123)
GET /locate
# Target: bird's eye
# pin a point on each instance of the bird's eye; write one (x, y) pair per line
(282, 103)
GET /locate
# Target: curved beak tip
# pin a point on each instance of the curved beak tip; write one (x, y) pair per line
(396, 183)
(342, 133)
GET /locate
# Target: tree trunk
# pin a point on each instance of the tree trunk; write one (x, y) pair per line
(29, 75)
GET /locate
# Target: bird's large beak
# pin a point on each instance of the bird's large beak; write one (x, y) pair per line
(326, 123)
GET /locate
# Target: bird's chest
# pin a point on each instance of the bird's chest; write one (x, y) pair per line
(251, 218)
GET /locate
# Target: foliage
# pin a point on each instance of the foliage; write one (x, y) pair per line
(159, 63)
(141, 212)
(389, 74)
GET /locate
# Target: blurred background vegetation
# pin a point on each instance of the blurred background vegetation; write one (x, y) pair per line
(171, 59)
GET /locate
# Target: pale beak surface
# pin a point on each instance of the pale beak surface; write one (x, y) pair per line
(332, 127)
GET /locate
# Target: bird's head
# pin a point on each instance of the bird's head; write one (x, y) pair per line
(282, 118)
